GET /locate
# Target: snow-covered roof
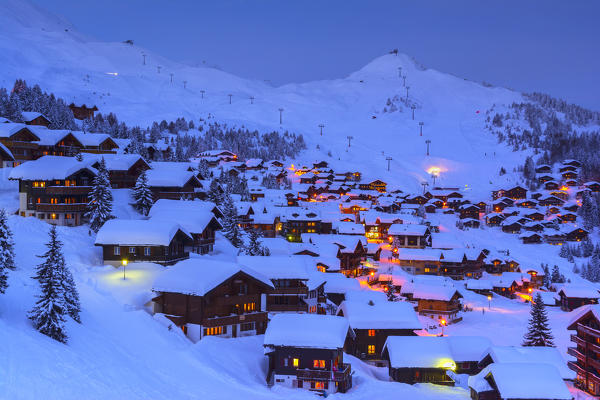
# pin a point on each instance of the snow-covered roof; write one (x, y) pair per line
(29, 116)
(48, 168)
(467, 348)
(419, 352)
(129, 232)
(307, 330)
(423, 291)
(523, 355)
(9, 129)
(380, 315)
(408, 229)
(350, 228)
(91, 139)
(339, 283)
(198, 276)
(522, 381)
(114, 162)
(580, 291)
(407, 254)
(169, 177)
(277, 267)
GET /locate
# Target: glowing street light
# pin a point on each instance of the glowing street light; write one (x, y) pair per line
(443, 322)
(124, 263)
(489, 301)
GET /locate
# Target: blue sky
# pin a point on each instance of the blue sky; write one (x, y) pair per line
(548, 46)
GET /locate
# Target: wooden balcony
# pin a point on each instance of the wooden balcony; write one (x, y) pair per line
(287, 307)
(580, 341)
(68, 190)
(234, 299)
(60, 208)
(576, 353)
(325, 375)
(235, 319)
(587, 330)
(291, 291)
(592, 375)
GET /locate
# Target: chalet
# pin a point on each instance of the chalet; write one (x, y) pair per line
(308, 178)
(82, 111)
(536, 276)
(352, 251)
(35, 118)
(524, 355)
(409, 235)
(267, 223)
(554, 236)
(54, 189)
(530, 237)
(98, 143)
(593, 186)
(480, 286)
(157, 241)
(419, 359)
(440, 303)
(123, 169)
(167, 182)
(511, 225)
(514, 381)
(350, 228)
(567, 216)
(469, 211)
(466, 352)
(433, 205)
(307, 351)
(544, 178)
(354, 206)
(254, 164)
(526, 203)
(417, 199)
(162, 151)
(504, 286)
(419, 261)
(377, 224)
(550, 201)
(571, 182)
(574, 234)
(198, 218)
(515, 193)
(569, 175)
(574, 163)
(534, 215)
(533, 226)
(551, 185)
(320, 165)
(256, 193)
(348, 176)
(294, 291)
(20, 140)
(574, 296)
(377, 185)
(543, 169)
(205, 297)
(494, 219)
(585, 350)
(6, 157)
(301, 220)
(455, 264)
(373, 322)
(565, 168)
(56, 142)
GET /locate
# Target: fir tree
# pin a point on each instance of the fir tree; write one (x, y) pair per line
(538, 333)
(254, 246)
(204, 169)
(142, 194)
(214, 192)
(7, 251)
(48, 314)
(557, 277)
(99, 208)
(231, 228)
(390, 293)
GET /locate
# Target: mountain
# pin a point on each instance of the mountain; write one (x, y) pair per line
(47, 50)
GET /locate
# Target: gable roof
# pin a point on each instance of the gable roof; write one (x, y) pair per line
(419, 352)
(130, 232)
(48, 168)
(307, 330)
(380, 315)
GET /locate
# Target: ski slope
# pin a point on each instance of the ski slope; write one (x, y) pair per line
(46, 50)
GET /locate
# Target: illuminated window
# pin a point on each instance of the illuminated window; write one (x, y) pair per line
(215, 330)
(53, 216)
(117, 251)
(249, 307)
(371, 349)
(295, 362)
(371, 332)
(318, 363)
(317, 385)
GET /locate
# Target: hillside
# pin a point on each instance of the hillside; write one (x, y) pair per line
(46, 50)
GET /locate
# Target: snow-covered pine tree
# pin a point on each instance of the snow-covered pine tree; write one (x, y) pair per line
(142, 194)
(99, 208)
(48, 314)
(538, 333)
(564, 251)
(203, 168)
(231, 228)
(214, 192)
(546, 280)
(243, 189)
(7, 251)
(586, 248)
(557, 277)
(254, 246)
(390, 293)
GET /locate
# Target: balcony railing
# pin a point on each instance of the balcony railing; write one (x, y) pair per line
(590, 331)
(580, 341)
(235, 319)
(575, 353)
(287, 307)
(325, 375)
(299, 290)
(47, 207)
(67, 190)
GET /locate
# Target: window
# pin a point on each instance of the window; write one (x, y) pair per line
(318, 363)
(371, 349)
(317, 385)
(132, 250)
(249, 307)
(248, 326)
(295, 362)
(215, 330)
(117, 251)
(53, 216)
(371, 332)
(147, 251)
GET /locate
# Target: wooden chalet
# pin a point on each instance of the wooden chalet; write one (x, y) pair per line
(593, 186)
(515, 193)
(438, 302)
(173, 182)
(20, 140)
(373, 322)
(6, 157)
(35, 118)
(300, 220)
(158, 241)
(212, 298)
(469, 211)
(419, 359)
(586, 349)
(575, 296)
(123, 169)
(54, 189)
(409, 235)
(82, 111)
(306, 351)
(377, 185)
(543, 169)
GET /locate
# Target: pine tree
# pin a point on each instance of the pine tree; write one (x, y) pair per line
(390, 292)
(546, 280)
(231, 228)
(7, 253)
(99, 208)
(48, 314)
(557, 277)
(214, 192)
(254, 246)
(538, 333)
(564, 251)
(204, 169)
(142, 194)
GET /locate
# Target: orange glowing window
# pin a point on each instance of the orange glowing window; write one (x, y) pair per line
(318, 363)
(371, 332)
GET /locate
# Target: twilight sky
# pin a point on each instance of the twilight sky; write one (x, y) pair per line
(549, 46)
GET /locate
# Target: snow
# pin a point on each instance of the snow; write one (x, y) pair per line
(114, 162)
(380, 315)
(468, 348)
(579, 291)
(523, 381)
(48, 168)
(161, 176)
(419, 352)
(198, 276)
(519, 354)
(138, 232)
(307, 330)
(277, 267)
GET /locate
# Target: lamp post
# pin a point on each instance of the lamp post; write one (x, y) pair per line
(124, 262)
(443, 322)
(489, 301)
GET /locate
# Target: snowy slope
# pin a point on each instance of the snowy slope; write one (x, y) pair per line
(46, 50)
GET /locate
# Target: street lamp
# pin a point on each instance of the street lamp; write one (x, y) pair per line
(489, 301)
(124, 263)
(443, 322)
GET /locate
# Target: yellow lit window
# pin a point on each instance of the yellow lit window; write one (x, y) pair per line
(249, 307)
(318, 363)
(371, 332)
(371, 349)
(215, 330)
(295, 362)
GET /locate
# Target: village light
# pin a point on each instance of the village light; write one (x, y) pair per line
(489, 301)
(443, 322)
(124, 263)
